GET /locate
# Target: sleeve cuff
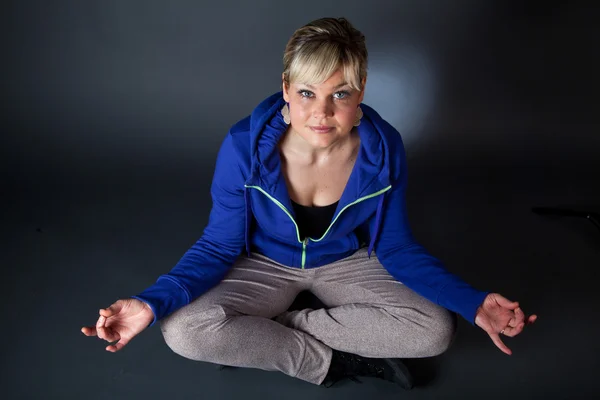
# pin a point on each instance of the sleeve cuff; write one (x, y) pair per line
(462, 299)
(164, 297)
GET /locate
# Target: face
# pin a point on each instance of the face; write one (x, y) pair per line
(325, 113)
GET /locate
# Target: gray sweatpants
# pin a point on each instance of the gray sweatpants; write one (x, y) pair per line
(368, 313)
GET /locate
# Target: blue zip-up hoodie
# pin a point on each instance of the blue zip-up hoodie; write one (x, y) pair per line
(252, 210)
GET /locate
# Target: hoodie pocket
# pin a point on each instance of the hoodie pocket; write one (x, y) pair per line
(355, 241)
(344, 246)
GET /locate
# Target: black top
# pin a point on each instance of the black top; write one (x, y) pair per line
(313, 221)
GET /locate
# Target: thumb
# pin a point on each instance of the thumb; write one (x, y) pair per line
(504, 302)
(110, 311)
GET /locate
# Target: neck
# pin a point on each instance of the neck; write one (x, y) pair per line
(295, 144)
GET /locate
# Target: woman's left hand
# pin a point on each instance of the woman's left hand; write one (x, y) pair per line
(497, 315)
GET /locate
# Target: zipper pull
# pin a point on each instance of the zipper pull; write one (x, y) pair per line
(304, 243)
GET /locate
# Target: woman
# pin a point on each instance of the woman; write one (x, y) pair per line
(312, 186)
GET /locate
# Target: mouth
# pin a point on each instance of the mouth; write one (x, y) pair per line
(321, 129)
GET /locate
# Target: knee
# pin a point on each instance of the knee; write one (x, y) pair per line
(173, 328)
(440, 333)
(191, 335)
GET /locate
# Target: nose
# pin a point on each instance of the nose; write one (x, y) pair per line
(322, 109)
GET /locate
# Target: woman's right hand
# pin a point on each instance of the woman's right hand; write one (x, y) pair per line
(121, 321)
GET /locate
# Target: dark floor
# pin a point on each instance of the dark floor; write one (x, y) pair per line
(70, 248)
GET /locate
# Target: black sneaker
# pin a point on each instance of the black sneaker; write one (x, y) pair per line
(346, 365)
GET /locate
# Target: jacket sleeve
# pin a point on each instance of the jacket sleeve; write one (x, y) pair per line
(207, 262)
(409, 262)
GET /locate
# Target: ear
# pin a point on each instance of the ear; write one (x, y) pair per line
(363, 83)
(286, 89)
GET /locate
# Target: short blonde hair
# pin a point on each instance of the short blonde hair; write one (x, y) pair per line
(321, 47)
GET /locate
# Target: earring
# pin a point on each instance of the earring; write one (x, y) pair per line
(359, 115)
(285, 112)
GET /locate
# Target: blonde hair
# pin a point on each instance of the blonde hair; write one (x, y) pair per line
(321, 47)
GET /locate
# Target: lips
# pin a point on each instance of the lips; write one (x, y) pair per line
(321, 129)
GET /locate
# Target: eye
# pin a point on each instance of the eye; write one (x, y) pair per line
(305, 93)
(341, 95)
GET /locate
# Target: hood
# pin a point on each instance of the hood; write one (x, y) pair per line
(374, 166)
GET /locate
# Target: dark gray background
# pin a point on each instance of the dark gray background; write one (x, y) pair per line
(112, 113)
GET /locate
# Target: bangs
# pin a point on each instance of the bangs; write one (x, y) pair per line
(315, 64)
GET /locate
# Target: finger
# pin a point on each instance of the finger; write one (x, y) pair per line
(110, 311)
(531, 319)
(499, 343)
(89, 330)
(113, 348)
(112, 335)
(513, 331)
(519, 316)
(100, 329)
(504, 302)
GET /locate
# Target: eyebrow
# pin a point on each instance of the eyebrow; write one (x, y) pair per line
(335, 88)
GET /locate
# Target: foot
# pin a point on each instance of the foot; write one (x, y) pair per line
(346, 365)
